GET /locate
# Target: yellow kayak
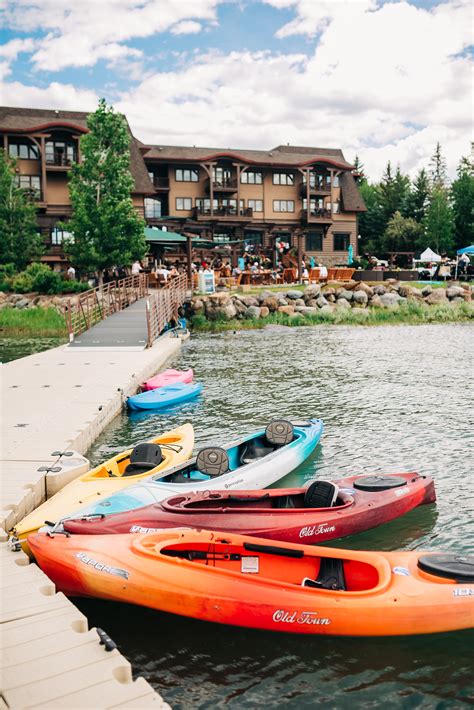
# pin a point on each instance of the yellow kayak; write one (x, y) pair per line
(146, 459)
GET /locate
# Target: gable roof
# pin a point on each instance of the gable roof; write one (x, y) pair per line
(27, 120)
(352, 200)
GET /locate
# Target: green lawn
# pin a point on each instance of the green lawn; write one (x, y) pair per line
(32, 322)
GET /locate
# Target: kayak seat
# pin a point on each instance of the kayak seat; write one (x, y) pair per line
(330, 575)
(321, 494)
(251, 452)
(448, 565)
(213, 461)
(143, 458)
(280, 432)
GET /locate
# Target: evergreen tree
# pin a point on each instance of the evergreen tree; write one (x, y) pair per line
(394, 190)
(359, 170)
(402, 234)
(437, 170)
(462, 193)
(416, 201)
(438, 221)
(107, 229)
(19, 238)
(372, 222)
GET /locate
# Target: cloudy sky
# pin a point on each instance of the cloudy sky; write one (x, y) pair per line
(382, 79)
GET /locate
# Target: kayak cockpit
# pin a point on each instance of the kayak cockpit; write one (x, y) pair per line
(285, 565)
(143, 458)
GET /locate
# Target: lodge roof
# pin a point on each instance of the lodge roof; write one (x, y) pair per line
(27, 120)
(352, 200)
(284, 156)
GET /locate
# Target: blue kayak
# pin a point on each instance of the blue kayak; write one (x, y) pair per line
(164, 396)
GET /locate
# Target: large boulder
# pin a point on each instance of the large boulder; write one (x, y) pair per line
(390, 300)
(329, 291)
(328, 308)
(264, 295)
(283, 302)
(331, 298)
(271, 303)
(351, 285)
(299, 302)
(406, 291)
(252, 312)
(361, 286)
(312, 303)
(307, 311)
(264, 311)
(394, 283)
(321, 301)
(438, 296)
(344, 293)
(22, 303)
(360, 297)
(293, 295)
(426, 291)
(286, 309)
(197, 305)
(454, 291)
(379, 290)
(311, 292)
(240, 307)
(376, 301)
(250, 301)
(343, 304)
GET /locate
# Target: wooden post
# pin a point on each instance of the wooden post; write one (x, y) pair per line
(189, 257)
(300, 258)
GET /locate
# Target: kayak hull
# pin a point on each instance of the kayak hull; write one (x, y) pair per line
(251, 513)
(246, 582)
(253, 476)
(164, 397)
(104, 480)
(168, 377)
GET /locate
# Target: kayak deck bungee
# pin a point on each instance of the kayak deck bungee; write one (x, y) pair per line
(287, 514)
(253, 462)
(168, 377)
(117, 473)
(248, 582)
(166, 396)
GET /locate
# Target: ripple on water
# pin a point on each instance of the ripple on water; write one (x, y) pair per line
(392, 399)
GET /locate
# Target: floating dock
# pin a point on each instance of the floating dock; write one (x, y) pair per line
(54, 403)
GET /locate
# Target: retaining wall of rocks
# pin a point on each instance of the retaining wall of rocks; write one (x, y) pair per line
(31, 300)
(322, 299)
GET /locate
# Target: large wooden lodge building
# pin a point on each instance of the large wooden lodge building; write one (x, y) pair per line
(223, 195)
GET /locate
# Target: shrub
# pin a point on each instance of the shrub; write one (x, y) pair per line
(23, 282)
(44, 279)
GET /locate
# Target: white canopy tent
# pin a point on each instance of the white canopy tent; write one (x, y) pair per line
(428, 255)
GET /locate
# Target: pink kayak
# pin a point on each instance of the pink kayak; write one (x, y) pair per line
(169, 377)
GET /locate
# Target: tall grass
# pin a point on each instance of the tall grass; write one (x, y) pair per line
(32, 322)
(407, 313)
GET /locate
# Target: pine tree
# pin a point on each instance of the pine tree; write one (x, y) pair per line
(438, 221)
(437, 170)
(394, 190)
(372, 223)
(107, 229)
(462, 192)
(19, 238)
(416, 201)
(359, 171)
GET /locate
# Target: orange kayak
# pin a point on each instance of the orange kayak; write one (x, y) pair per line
(244, 581)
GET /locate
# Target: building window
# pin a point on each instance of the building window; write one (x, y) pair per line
(314, 241)
(283, 179)
(23, 150)
(184, 203)
(222, 177)
(283, 205)
(58, 235)
(255, 205)
(341, 241)
(60, 152)
(253, 237)
(251, 177)
(152, 208)
(31, 183)
(318, 181)
(187, 175)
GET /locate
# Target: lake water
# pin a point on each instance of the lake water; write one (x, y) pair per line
(392, 398)
(14, 348)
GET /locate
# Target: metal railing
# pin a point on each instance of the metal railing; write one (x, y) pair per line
(162, 306)
(96, 304)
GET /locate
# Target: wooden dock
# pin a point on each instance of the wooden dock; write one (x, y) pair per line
(56, 401)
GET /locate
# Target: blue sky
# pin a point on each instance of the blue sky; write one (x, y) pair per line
(384, 79)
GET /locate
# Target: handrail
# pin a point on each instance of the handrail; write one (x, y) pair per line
(162, 306)
(94, 305)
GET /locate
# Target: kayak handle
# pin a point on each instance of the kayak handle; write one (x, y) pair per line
(172, 447)
(273, 550)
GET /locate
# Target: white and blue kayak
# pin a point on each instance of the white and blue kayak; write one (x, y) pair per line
(252, 463)
(166, 396)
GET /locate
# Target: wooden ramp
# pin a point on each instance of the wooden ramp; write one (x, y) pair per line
(126, 329)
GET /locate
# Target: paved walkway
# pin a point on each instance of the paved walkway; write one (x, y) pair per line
(55, 401)
(125, 329)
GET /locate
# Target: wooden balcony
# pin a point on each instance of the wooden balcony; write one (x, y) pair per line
(318, 216)
(222, 214)
(161, 183)
(315, 190)
(224, 186)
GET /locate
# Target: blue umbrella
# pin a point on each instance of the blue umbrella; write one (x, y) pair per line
(350, 254)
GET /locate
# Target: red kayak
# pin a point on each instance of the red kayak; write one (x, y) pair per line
(168, 377)
(323, 511)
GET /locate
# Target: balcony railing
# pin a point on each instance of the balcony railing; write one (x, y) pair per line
(315, 189)
(59, 160)
(223, 184)
(161, 183)
(222, 213)
(320, 214)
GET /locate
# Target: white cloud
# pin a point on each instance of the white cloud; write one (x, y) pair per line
(315, 16)
(186, 27)
(79, 33)
(10, 51)
(55, 96)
